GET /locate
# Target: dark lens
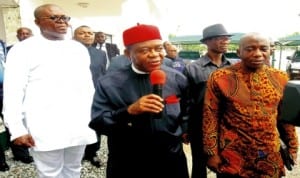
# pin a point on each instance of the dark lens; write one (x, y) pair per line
(65, 18)
(54, 18)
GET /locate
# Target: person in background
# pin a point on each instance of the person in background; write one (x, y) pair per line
(111, 49)
(22, 34)
(176, 62)
(21, 152)
(85, 35)
(45, 107)
(3, 146)
(142, 142)
(270, 61)
(272, 47)
(217, 39)
(166, 44)
(240, 115)
(167, 61)
(3, 131)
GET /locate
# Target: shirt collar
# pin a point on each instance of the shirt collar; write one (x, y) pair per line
(137, 70)
(207, 61)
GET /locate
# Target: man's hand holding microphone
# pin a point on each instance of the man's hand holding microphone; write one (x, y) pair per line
(152, 103)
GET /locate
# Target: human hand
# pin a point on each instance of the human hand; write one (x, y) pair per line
(231, 162)
(149, 103)
(25, 140)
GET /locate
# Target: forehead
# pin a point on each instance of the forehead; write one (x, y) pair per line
(149, 43)
(255, 41)
(171, 47)
(100, 34)
(23, 30)
(52, 10)
(84, 29)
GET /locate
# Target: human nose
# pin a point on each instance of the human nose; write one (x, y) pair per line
(153, 52)
(258, 53)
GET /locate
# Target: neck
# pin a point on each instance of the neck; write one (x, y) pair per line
(251, 69)
(170, 57)
(53, 37)
(215, 58)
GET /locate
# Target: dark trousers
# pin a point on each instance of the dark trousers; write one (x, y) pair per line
(19, 151)
(2, 153)
(198, 158)
(91, 149)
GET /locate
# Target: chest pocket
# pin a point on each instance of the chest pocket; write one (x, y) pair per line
(173, 110)
(172, 106)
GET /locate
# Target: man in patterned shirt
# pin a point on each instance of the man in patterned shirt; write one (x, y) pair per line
(240, 114)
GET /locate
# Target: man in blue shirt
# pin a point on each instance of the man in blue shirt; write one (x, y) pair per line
(172, 54)
(3, 164)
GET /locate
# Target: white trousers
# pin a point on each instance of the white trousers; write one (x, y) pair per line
(62, 163)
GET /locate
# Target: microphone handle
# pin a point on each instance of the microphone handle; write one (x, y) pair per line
(157, 89)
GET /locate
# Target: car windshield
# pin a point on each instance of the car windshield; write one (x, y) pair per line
(297, 57)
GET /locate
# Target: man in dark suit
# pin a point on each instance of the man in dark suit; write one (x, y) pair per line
(111, 49)
(84, 34)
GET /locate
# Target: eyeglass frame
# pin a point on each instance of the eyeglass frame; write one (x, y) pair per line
(57, 18)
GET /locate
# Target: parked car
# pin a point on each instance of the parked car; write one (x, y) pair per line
(293, 65)
(189, 56)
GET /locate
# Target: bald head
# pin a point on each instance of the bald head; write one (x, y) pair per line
(39, 11)
(254, 50)
(172, 51)
(23, 33)
(52, 21)
(253, 36)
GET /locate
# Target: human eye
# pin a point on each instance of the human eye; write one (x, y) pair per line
(65, 18)
(54, 17)
(265, 48)
(144, 50)
(248, 49)
(159, 49)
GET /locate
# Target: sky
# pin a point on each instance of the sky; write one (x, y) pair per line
(275, 18)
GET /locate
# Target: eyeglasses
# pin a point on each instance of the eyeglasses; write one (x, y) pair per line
(56, 18)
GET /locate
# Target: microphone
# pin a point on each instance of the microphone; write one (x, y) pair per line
(157, 79)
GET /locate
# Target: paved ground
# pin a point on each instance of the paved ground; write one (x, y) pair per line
(20, 170)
